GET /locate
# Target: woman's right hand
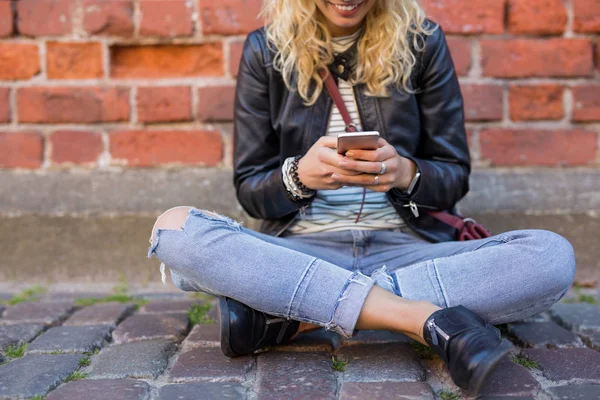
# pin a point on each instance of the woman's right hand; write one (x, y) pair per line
(322, 160)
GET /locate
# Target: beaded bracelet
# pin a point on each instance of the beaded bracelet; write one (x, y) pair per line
(294, 173)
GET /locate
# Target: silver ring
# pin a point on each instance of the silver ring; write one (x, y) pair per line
(383, 168)
(376, 180)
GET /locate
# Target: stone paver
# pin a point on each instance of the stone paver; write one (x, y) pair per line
(151, 326)
(567, 364)
(100, 314)
(47, 313)
(11, 335)
(544, 334)
(167, 306)
(306, 375)
(71, 339)
(208, 362)
(206, 335)
(208, 390)
(512, 379)
(145, 359)
(102, 389)
(373, 336)
(575, 392)
(577, 316)
(378, 362)
(35, 375)
(386, 390)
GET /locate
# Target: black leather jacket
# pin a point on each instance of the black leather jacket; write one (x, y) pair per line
(271, 123)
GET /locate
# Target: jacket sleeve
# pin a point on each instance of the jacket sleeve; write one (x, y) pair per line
(443, 156)
(257, 172)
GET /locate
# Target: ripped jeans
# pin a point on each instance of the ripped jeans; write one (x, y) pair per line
(324, 278)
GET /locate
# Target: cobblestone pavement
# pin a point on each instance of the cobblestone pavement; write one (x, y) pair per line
(166, 346)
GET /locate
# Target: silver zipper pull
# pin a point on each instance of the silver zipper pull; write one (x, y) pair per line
(302, 211)
(413, 208)
(432, 332)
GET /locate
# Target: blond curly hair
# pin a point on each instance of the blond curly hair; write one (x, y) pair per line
(302, 42)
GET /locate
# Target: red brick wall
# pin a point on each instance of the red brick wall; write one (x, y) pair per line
(149, 83)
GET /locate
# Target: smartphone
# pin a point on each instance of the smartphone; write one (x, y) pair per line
(357, 141)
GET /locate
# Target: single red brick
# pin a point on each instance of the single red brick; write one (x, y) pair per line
(19, 61)
(114, 18)
(460, 49)
(537, 17)
(519, 58)
(163, 61)
(6, 19)
(529, 102)
(164, 104)
(45, 17)
(76, 147)
(4, 105)
(215, 103)
(483, 102)
(229, 17)
(506, 147)
(74, 60)
(586, 16)
(235, 55)
(166, 18)
(72, 104)
(150, 148)
(20, 150)
(586, 103)
(462, 16)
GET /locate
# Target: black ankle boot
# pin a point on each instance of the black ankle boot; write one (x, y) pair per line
(469, 346)
(244, 329)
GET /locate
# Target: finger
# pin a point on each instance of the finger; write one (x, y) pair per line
(381, 154)
(330, 156)
(362, 179)
(368, 167)
(328, 141)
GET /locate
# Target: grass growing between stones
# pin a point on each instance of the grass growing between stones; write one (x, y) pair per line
(202, 296)
(581, 297)
(448, 395)
(75, 376)
(15, 351)
(92, 353)
(198, 314)
(524, 361)
(423, 352)
(120, 296)
(31, 294)
(338, 365)
(84, 362)
(38, 397)
(57, 352)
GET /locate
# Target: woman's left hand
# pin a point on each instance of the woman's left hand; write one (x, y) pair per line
(399, 170)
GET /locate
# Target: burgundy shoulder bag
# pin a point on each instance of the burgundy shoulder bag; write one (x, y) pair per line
(468, 228)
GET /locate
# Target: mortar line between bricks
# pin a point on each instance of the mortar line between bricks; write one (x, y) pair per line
(570, 19)
(136, 19)
(77, 20)
(475, 70)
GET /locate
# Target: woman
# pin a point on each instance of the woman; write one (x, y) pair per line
(325, 255)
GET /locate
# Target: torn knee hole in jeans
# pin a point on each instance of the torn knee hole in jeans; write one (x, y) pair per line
(384, 280)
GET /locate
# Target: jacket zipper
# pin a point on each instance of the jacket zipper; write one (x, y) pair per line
(432, 330)
(413, 207)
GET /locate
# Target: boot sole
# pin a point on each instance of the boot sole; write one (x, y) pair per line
(224, 330)
(487, 366)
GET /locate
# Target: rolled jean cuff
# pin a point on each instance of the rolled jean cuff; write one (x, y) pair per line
(349, 304)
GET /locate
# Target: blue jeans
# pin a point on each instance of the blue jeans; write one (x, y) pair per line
(324, 278)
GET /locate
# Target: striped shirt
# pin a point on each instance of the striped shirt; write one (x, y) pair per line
(336, 210)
